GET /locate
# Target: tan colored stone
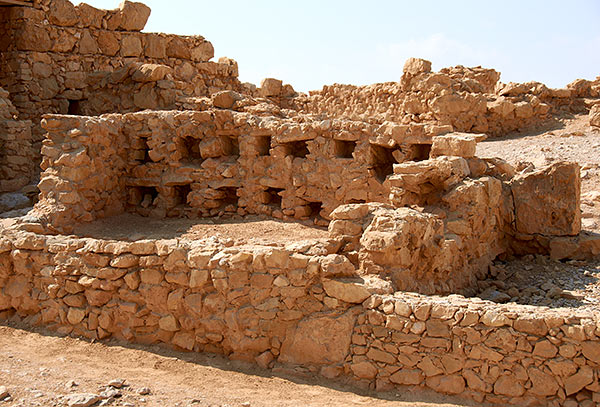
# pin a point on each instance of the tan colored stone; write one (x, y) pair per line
(319, 339)
(579, 380)
(168, 323)
(508, 385)
(407, 377)
(415, 66)
(134, 15)
(453, 384)
(364, 370)
(351, 291)
(591, 350)
(547, 200)
(545, 349)
(75, 315)
(543, 384)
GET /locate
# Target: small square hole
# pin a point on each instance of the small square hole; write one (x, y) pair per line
(143, 154)
(143, 197)
(272, 197)
(228, 197)
(315, 209)
(420, 152)
(263, 145)
(231, 146)
(181, 194)
(343, 148)
(191, 149)
(381, 161)
(296, 148)
(74, 108)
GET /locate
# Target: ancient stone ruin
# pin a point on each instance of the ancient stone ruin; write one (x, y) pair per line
(128, 122)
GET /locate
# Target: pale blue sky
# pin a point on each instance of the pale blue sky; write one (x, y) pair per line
(311, 43)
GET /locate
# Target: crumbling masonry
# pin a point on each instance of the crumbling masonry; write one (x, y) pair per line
(124, 121)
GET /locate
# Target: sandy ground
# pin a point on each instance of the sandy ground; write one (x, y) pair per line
(40, 369)
(252, 229)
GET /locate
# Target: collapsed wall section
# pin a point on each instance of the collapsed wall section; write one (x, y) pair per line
(287, 307)
(469, 99)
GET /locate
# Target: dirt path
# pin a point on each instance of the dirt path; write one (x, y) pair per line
(39, 369)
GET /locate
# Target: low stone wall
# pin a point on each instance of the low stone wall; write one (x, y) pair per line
(286, 306)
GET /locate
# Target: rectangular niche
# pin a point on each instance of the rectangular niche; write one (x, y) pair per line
(228, 197)
(263, 145)
(381, 161)
(143, 197)
(190, 151)
(230, 145)
(142, 155)
(344, 148)
(420, 152)
(74, 108)
(297, 149)
(315, 209)
(272, 197)
(181, 194)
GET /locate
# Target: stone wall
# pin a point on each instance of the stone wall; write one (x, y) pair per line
(284, 307)
(206, 163)
(55, 56)
(17, 158)
(469, 99)
(465, 210)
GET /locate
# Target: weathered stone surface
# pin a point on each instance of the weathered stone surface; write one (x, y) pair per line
(543, 384)
(150, 73)
(415, 66)
(407, 377)
(508, 385)
(455, 144)
(579, 380)
(364, 370)
(319, 340)
(270, 87)
(547, 200)
(134, 15)
(453, 384)
(352, 291)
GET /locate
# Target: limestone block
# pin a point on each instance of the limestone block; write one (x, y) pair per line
(131, 46)
(415, 66)
(90, 16)
(225, 99)
(455, 144)
(31, 37)
(322, 339)
(270, 87)
(203, 52)
(150, 72)
(133, 15)
(348, 290)
(547, 200)
(63, 13)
